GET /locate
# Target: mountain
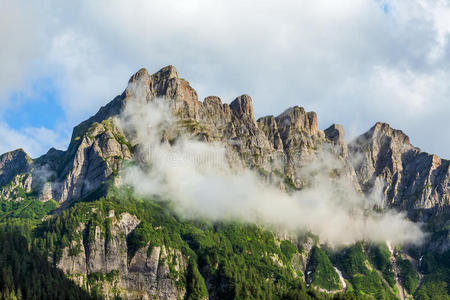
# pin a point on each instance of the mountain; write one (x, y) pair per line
(71, 208)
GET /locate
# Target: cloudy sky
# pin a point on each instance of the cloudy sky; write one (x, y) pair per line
(354, 62)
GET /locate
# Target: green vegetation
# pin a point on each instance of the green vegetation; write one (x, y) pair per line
(409, 276)
(288, 250)
(192, 125)
(108, 124)
(381, 258)
(354, 262)
(323, 273)
(26, 274)
(196, 287)
(436, 267)
(28, 208)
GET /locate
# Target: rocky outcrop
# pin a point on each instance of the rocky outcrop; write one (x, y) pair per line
(336, 135)
(101, 262)
(13, 163)
(67, 175)
(150, 272)
(407, 178)
(275, 143)
(98, 155)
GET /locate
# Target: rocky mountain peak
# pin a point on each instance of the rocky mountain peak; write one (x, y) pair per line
(141, 75)
(383, 129)
(336, 134)
(167, 73)
(104, 247)
(384, 154)
(243, 105)
(213, 101)
(13, 163)
(298, 118)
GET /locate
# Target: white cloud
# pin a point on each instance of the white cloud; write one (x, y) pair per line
(34, 140)
(351, 61)
(20, 31)
(196, 177)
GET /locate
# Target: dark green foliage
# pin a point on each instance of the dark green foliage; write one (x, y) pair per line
(288, 250)
(98, 276)
(354, 263)
(350, 296)
(26, 274)
(196, 287)
(408, 275)
(436, 267)
(381, 258)
(28, 208)
(435, 286)
(242, 260)
(142, 234)
(322, 271)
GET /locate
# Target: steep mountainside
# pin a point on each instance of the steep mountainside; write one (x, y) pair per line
(72, 210)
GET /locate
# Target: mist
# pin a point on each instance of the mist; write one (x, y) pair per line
(197, 178)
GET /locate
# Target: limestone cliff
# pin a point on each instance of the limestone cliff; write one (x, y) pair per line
(100, 261)
(407, 178)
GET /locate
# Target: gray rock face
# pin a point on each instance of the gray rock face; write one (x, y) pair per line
(280, 143)
(242, 106)
(381, 159)
(143, 276)
(11, 164)
(68, 175)
(150, 272)
(336, 134)
(408, 178)
(98, 155)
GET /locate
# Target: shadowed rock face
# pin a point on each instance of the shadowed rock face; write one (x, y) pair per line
(11, 164)
(336, 134)
(243, 106)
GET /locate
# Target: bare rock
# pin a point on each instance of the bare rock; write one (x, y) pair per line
(13, 163)
(409, 179)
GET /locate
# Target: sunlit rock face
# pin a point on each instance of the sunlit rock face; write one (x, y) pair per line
(407, 178)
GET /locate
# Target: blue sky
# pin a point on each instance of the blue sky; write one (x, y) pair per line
(354, 62)
(39, 107)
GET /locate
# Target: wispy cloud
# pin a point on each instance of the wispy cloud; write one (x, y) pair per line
(34, 140)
